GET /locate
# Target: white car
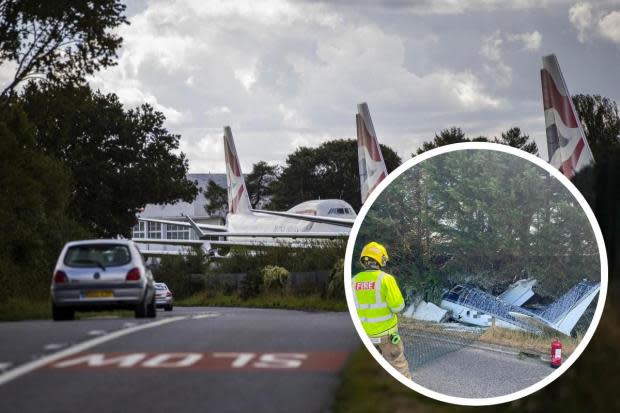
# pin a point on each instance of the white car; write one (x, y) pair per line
(163, 296)
(101, 274)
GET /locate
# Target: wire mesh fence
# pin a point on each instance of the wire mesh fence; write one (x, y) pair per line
(425, 342)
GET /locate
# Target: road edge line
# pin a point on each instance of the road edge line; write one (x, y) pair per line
(12, 374)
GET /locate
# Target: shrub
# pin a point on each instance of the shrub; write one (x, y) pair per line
(335, 287)
(274, 278)
(251, 285)
(176, 272)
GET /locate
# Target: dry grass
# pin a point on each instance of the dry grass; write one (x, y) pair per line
(519, 340)
(527, 342)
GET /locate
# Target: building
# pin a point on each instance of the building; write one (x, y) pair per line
(195, 209)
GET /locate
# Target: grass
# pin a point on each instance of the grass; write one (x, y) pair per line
(366, 387)
(519, 340)
(313, 302)
(18, 309)
(527, 341)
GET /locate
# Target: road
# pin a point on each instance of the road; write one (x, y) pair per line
(479, 373)
(192, 359)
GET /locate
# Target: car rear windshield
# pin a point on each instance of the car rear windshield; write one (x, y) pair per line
(160, 286)
(97, 255)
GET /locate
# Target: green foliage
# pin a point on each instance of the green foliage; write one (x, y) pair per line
(176, 272)
(316, 257)
(600, 121)
(328, 171)
(61, 41)
(335, 286)
(217, 198)
(34, 218)
(120, 160)
(260, 182)
(480, 217)
(512, 137)
(274, 277)
(445, 137)
(251, 285)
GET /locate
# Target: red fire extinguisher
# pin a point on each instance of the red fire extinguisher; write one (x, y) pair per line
(556, 353)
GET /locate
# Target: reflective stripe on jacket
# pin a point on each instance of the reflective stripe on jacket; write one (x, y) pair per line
(377, 299)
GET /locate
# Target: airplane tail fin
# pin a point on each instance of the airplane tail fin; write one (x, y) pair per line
(370, 159)
(566, 311)
(519, 292)
(238, 198)
(567, 146)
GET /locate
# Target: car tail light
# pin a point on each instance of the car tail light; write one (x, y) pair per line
(133, 274)
(60, 277)
(168, 294)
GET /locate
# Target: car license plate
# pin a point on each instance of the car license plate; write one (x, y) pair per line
(98, 294)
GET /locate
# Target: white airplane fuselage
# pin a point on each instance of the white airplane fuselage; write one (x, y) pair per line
(256, 222)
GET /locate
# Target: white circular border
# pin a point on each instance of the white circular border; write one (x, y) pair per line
(463, 400)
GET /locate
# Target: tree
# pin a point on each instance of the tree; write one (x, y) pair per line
(119, 160)
(217, 198)
(513, 137)
(481, 217)
(61, 41)
(601, 123)
(445, 137)
(328, 171)
(34, 200)
(260, 181)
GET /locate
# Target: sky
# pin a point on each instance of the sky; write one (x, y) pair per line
(288, 73)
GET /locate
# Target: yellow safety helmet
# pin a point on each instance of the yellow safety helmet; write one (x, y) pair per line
(375, 251)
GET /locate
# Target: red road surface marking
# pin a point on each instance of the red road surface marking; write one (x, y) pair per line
(315, 361)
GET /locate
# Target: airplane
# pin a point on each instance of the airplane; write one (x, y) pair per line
(472, 306)
(315, 219)
(567, 146)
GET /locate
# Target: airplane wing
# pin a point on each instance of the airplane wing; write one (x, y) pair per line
(536, 325)
(296, 235)
(179, 242)
(184, 224)
(343, 222)
(153, 253)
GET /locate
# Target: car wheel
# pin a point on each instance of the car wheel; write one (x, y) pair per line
(151, 309)
(62, 313)
(168, 308)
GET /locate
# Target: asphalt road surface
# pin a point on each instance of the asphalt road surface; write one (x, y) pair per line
(479, 373)
(192, 359)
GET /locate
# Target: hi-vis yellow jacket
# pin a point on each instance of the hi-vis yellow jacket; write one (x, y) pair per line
(377, 299)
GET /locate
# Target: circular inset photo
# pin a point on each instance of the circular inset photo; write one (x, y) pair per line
(476, 274)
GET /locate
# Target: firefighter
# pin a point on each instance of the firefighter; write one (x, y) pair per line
(378, 299)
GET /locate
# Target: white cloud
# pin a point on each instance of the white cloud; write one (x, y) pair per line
(609, 26)
(491, 50)
(491, 47)
(530, 41)
(463, 6)
(581, 17)
(286, 73)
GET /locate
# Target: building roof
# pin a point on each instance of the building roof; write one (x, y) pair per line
(195, 209)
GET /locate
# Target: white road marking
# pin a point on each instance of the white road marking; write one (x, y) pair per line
(129, 324)
(205, 315)
(96, 333)
(33, 365)
(55, 346)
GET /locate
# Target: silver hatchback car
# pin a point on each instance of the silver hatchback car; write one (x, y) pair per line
(163, 296)
(93, 275)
